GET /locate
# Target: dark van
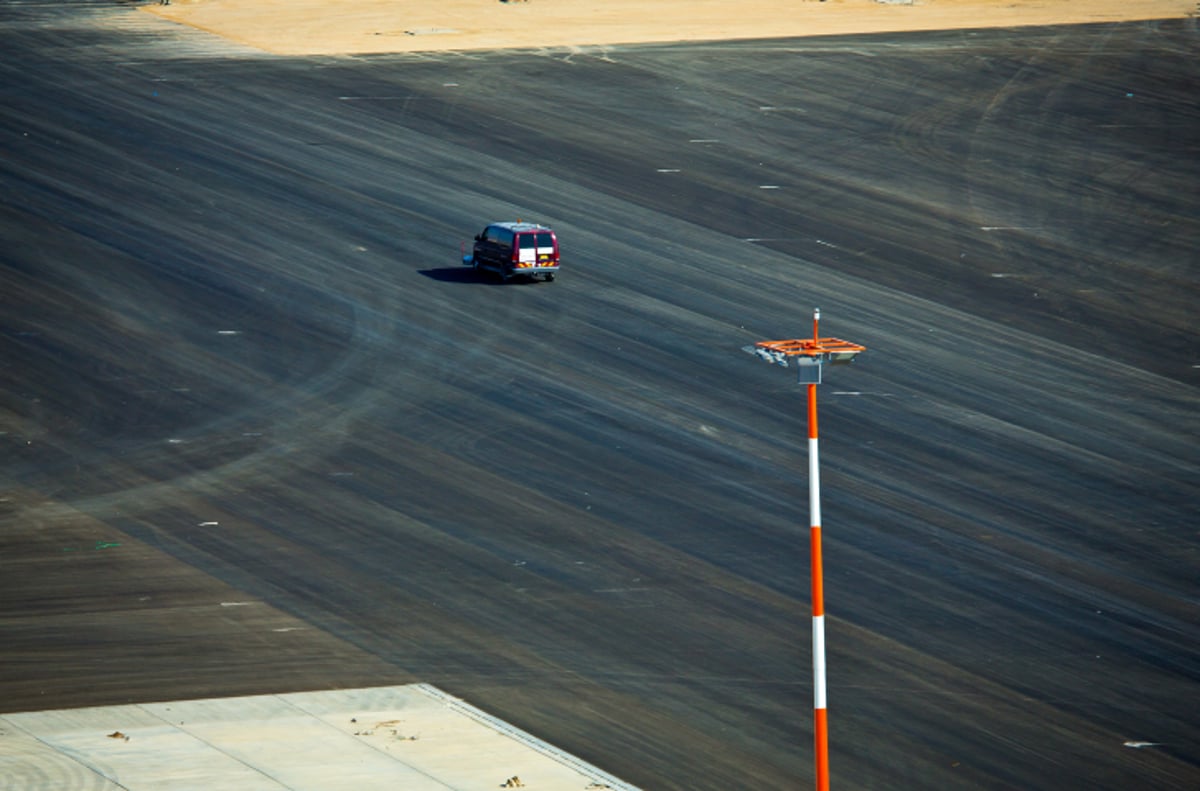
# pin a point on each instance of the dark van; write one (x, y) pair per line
(511, 249)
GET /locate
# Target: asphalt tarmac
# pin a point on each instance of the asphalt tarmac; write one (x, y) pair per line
(260, 431)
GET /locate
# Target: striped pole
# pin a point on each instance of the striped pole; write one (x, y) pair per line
(820, 716)
(814, 354)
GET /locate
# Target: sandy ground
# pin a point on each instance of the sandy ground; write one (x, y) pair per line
(327, 27)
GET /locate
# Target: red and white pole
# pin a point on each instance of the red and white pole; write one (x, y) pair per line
(820, 717)
(814, 355)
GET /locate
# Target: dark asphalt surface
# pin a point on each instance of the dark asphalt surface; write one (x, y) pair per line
(260, 432)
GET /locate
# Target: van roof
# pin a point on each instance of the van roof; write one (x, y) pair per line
(517, 227)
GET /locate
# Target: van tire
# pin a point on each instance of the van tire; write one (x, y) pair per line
(549, 277)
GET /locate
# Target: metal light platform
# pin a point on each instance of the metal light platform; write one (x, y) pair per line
(811, 355)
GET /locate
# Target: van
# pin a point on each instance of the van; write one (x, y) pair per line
(512, 249)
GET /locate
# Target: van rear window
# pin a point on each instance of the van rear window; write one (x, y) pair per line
(545, 240)
(528, 241)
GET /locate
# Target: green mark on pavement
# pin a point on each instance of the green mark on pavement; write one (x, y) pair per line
(99, 545)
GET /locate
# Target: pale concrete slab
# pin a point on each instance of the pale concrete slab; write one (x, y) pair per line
(413, 737)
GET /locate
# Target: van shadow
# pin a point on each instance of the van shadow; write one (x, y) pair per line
(466, 274)
(458, 274)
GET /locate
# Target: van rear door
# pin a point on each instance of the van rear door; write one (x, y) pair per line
(547, 252)
(527, 252)
(536, 249)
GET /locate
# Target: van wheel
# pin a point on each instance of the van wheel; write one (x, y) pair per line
(549, 277)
